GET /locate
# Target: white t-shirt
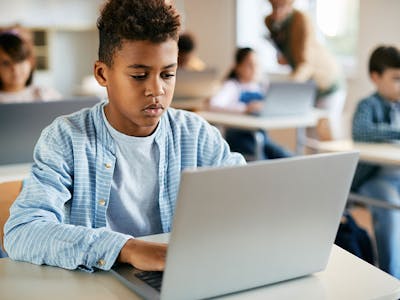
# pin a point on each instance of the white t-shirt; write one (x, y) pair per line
(31, 93)
(133, 207)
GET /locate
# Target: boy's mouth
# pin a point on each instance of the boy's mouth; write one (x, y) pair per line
(154, 109)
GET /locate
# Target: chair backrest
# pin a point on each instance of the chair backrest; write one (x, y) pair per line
(8, 193)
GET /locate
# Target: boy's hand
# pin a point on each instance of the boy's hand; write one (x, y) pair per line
(143, 255)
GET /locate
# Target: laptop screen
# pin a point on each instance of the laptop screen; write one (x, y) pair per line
(22, 123)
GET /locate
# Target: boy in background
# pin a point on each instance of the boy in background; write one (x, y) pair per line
(377, 120)
(187, 58)
(105, 175)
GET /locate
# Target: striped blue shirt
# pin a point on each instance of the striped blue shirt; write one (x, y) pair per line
(373, 122)
(60, 216)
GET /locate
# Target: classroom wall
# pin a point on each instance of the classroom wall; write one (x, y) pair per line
(379, 23)
(213, 23)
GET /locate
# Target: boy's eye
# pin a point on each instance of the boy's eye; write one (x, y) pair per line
(139, 76)
(168, 75)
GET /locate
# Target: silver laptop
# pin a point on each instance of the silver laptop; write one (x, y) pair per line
(22, 123)
(195, 84)
(289, 98)
(237, 228)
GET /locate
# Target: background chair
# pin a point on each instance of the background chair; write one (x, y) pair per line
(8, 193)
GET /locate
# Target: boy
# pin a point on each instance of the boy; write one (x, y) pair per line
(377, 120)
(187, 58)
(107, 174)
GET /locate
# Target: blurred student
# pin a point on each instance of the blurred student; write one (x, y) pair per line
(377, 120)
(242, 92)
(17, 66)
(103, 176)
(187, 56)
(293, 34)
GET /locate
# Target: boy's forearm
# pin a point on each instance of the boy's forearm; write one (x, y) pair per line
(62, 245)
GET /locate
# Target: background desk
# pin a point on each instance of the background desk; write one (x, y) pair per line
(191, 104)
(14, 172)
(375, 153)
(346, 277)
(383, 154)
(254, 123)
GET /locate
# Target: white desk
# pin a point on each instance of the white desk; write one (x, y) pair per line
(254, 123)
(376, 153)
(346, 277)
(14, 172)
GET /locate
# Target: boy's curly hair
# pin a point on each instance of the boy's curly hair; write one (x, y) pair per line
(384, 57)
(135, 20)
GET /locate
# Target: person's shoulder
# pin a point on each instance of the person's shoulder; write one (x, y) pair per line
(370, 103)
(299, 17)
(231, 83)
(298, 14)
(372, 99)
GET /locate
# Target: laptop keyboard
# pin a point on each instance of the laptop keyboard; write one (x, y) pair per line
(152, 278)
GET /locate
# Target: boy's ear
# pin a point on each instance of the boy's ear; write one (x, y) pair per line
(375, 76)
(100, 73)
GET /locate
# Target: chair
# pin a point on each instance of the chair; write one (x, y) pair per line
(8, 193)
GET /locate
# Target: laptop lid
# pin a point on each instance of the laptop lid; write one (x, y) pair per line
(236, 228)
(22, 123)
(195, 84)
(289, 98)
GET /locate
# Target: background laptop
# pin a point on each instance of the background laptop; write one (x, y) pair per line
(289, 98)
(237, 228)
(195, 84)
(22, 123)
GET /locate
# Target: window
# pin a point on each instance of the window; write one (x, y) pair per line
(336, 23)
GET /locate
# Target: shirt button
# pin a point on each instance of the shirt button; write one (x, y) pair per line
(102, 202)
(101, 262)
(107, 165)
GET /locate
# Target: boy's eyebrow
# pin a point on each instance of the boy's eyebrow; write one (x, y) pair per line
(139, 66)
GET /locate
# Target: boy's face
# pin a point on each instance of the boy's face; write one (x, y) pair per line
(140, 85)
(388, 83)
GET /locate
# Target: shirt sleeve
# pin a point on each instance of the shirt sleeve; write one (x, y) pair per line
(301, 34)
(38, 230)
(365, 129)
(214, 150)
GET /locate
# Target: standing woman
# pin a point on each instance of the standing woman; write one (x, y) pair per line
(17, 65)
(242, 92)
(293, 34)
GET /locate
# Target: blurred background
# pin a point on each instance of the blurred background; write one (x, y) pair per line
(66, 41)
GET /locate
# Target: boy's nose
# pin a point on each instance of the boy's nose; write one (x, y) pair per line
(155, 89)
